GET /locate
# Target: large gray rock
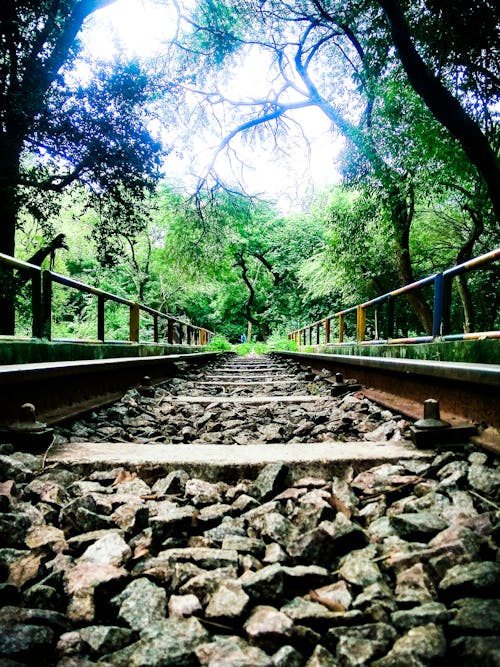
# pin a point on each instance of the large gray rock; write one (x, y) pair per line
(473, 579)
(361, 644)
(266, 585)
(269, 628)
(165, 643)
(472, 615)
(228, 601)
(422, 645)
(141, 603)
(232, 651)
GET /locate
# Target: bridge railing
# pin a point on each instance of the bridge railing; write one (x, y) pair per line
(441, 285)
(174, 330)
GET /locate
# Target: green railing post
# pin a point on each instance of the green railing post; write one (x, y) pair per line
(156, 335)
(36, 305)
(100, 317)
(46, 323)
(390, 318)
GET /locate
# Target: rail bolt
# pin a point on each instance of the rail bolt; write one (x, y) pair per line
(339, 378)
(27, 431)
(146, 388)
(27, 420)
(432, 419)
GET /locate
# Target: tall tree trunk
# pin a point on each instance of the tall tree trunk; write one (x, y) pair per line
(402, 215)
(465, 253)
(442, 104)
(9, 169)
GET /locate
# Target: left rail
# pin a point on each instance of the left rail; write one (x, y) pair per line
(59, 390)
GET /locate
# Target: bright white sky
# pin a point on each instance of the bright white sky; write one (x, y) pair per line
(142, 28)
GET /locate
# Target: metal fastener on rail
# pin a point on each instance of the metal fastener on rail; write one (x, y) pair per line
(27, 431)
(432, 418)
(432, 431)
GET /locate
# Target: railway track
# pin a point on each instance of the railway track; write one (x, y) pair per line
(468, 393)
(227, 411)
(245, 512)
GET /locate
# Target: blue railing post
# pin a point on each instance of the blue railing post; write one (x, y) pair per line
(437, 316)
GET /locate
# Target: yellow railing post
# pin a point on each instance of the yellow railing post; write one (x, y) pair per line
(360, 323)
(341, 328)
(134, 323)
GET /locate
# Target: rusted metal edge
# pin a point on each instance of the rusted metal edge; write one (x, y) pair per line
(466, 392)
(65, 389)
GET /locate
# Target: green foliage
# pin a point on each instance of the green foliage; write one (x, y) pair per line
(220, 344)
(244, 349)
(285, 344)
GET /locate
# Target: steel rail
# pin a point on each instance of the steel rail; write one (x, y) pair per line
(65, 389)
(467, 392)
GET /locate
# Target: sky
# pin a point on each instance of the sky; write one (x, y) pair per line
(142, 28)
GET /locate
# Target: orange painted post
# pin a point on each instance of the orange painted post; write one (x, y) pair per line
(327, 330)
(360, 323)
(341, 328)
(134, 323)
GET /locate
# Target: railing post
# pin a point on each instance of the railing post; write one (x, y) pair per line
(327, 331)
(100, 317)
(180, 333)
(360, 323)
(310, 335)
(36, 305)
(390, 317)
(134, 323)
(156, 333)
(437, 315)
(46, 305)
(317, 333)
(341, 328)
(446, 306)
(170, 331)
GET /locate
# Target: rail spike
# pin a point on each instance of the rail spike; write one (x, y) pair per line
(27, 432)
(432, 431)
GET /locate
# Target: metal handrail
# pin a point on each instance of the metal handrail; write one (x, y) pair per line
(441, 282)
(41, 302)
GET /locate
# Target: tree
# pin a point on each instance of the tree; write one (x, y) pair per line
(56, 131)
(340, 58)
(445, 107)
